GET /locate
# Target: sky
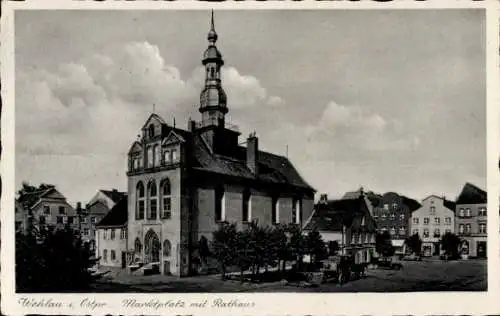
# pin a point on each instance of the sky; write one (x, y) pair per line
(390, 100)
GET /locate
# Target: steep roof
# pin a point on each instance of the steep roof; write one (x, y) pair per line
(471, 194)
(114, 195)
(30, 199)
(334, 214)
(117, 216)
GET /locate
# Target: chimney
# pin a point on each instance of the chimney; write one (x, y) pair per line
(78, 205)
(252, 152)
(191, 125)
(323, 198)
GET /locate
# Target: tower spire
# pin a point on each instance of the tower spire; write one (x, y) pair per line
(212, 35)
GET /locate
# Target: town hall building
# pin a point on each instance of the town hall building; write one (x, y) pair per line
(183, 183)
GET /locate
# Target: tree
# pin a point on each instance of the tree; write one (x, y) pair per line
(296, 244)
(333, 247)
(244, 252)
(414, 243)
(383, 244)
(278, 242)
(450, 243)
(53, 261)
(316, 247)
(224, 246)
(259, 246)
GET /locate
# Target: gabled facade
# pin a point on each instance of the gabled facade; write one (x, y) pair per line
(471, 221)
(183, 183)
(432, 220)
(347, 221)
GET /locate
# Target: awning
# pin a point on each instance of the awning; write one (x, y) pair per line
(398, 242)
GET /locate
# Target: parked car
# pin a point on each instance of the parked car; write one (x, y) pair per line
(388, 263)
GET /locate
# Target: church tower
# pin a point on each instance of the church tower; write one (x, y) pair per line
(213, 99)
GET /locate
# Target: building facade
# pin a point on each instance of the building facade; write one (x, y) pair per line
(471, 221)
(432, 220)
(183, 183)
(112, 236)
(392, 213)
(347, 221)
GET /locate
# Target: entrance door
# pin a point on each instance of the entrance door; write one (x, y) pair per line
(124, 259)
(166, 267)
(481, 249)
(152, 247)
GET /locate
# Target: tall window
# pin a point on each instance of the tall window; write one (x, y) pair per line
(482, 228)
(437, 232)
(386, 207)
(166, 203)
(402, 230)
(153, 200)
(275, 209)
(297, 210)
(151, 131)
(113, 255)
(393, 216)
(62, 210)
(105, 255)
(393, 231)
(105, 234)
(426, 221)
(137, 245)
(433, 210)
(139, 191)
(122, 233)
(246, 207)
(461, 228)
(156, 155)
(426, 232)
(167, 248)
(447, 220)
(461, 212)
(112, 234)
(174, 155)
(467, 228)
(482, 211)
(150, 157)
(415, 220)
(219, 204)
(467, 212)
(46, 209)
(166, 157)
(437, 220)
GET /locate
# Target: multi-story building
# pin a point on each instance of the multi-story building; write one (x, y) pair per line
(433, 219)
(392, 213)
(100, 204)
(347, 221)
(112, 236)
(21, 217)
(183, 183)
(471, 221)
(47, 207)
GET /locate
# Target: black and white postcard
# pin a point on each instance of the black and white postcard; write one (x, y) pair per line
(250, 158)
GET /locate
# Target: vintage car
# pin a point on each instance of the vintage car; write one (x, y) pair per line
(389, 263)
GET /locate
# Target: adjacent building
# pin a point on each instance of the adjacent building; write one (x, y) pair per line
(46, 207)
(434, 218)
(112, 236)
(392, 213)
(471, 221)
(183, 183)
(98, 206)
(347, 221)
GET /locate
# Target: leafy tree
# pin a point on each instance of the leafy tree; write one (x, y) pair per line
(224, 246)
(296, 244)
(244, 252)
(316, 247)
(204, 249)
(278, 242)
(414, 243)
(333, 247)
(258, 244)
(450, 243)
(53, 261)
(383, 244)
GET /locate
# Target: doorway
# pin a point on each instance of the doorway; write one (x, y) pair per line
(481, 249)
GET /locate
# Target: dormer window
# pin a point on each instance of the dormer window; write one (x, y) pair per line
(166, 157)
(174, 155)
(151, 131)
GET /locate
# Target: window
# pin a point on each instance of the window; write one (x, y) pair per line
(71, 220)
(447, 231)
(482, 211)
(105, 255)
(84, 220)
(166, 157)
(137, 246)
(393, 231)
(85, 231)
(112, 234)
(426, 232)
(426, 221)
(394, 205)
(156, 155)
(461, 212)
(150, 157)
(246, 207)
(46, 209)
(151, 131)
(415, 220)
(461, 228)
(433, 210)
(297, 209)
(41, 220)
(402, 217)
(92, 220)
(113, 255)
(167, 248)
(275, 206)
(384, 216)
(415, 232)
(153, 200)
(386, 207)
(447, 220)
(166, 207)
(437, 232)
(437, 220)
(105, 234)
(219, 204)
(393, 216)
(402, 230)
(482, 228)
(174, 155)
(65, 219)
(139, 191)
(467, 212)
(62, 210)
(59, 219)
(467, 228)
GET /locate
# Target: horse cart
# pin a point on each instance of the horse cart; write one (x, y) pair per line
(342, 269)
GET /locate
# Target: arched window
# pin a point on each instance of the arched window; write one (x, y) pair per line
(166, 202)
(105, 255)
(137, 245)
(247, 206)
(153, 200)
(139, 192)
(156, 155)
(219, 204)
(113, 255)
(167, 248)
